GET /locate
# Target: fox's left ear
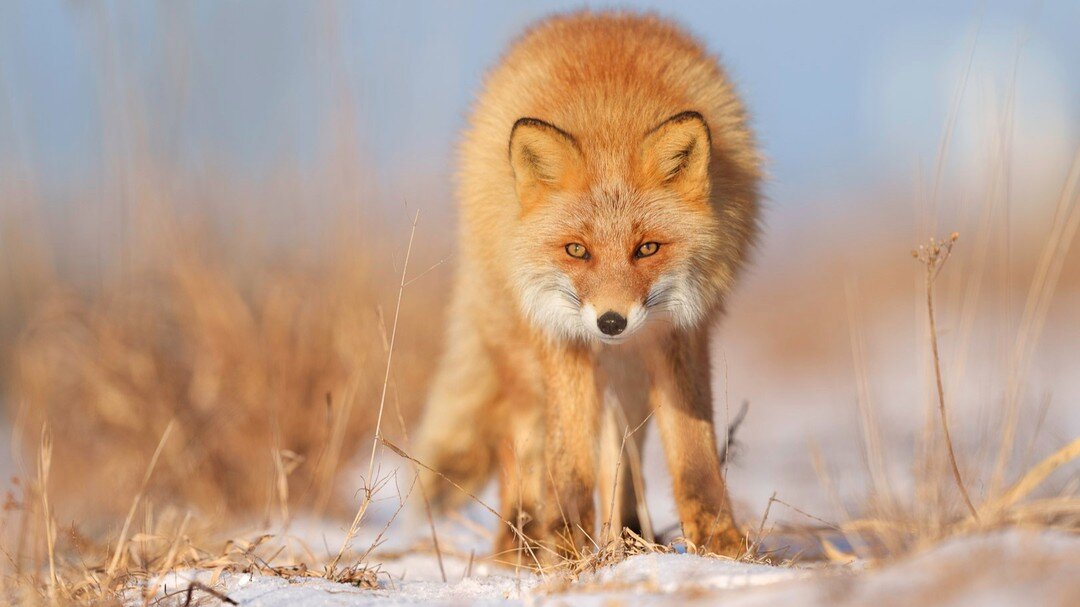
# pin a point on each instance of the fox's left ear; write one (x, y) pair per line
(677, 153)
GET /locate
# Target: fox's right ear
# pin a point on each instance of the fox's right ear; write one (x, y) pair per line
(545, 159)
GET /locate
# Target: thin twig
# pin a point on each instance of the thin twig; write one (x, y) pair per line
(627, 434)
(427, 271)
(517, 532)
(362, 510)
(468, 568)
(833, 526)
(934, 257)
(224, 598)
(761, 527)
(423, 490)
(390, 352)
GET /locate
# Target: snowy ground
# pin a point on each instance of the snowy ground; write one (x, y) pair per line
(1010, 568)
(1013, 568)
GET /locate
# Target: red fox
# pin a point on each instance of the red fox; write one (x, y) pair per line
(609, 192)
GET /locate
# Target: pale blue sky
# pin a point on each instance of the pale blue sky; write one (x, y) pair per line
(842, 93)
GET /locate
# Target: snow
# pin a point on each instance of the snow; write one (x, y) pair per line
(668, 573)
(1001, 569)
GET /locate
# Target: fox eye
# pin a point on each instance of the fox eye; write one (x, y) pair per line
(577, 250)
(647, 249)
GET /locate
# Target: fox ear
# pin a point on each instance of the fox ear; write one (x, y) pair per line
(677, 153)
(544, 158)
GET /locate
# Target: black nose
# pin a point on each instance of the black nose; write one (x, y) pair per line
(611, 323)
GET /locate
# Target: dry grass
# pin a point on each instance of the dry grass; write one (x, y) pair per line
(950, 498)
(893, 524)
(278, 383)
(185, 389)
(195, 393)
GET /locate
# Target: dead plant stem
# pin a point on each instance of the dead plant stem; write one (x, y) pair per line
(937, 257)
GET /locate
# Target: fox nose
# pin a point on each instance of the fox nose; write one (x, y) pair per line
(611, 323)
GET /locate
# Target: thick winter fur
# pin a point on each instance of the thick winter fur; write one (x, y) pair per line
(598, 136)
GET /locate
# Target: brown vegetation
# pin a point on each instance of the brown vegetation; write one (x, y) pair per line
(277, 374)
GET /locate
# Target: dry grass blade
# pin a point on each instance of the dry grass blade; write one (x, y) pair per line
(1036, 475)
(121, 542)
(405, 434)
(628, 433)
(368, 491)
(170, 560)
(390, 349)
(44, 465)
(1065, 226)
(873, 443)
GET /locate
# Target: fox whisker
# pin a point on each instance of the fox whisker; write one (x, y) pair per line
(570, 295)
(658, 297)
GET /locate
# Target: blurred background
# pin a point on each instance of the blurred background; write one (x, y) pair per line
(205, 209)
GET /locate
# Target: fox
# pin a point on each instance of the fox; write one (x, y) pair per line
(609, 189)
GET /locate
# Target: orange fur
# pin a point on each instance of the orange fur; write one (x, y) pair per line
(607, 176)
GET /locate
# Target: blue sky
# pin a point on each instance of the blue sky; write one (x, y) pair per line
(842, 93)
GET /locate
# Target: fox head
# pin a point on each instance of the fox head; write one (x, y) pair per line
(614, 238)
